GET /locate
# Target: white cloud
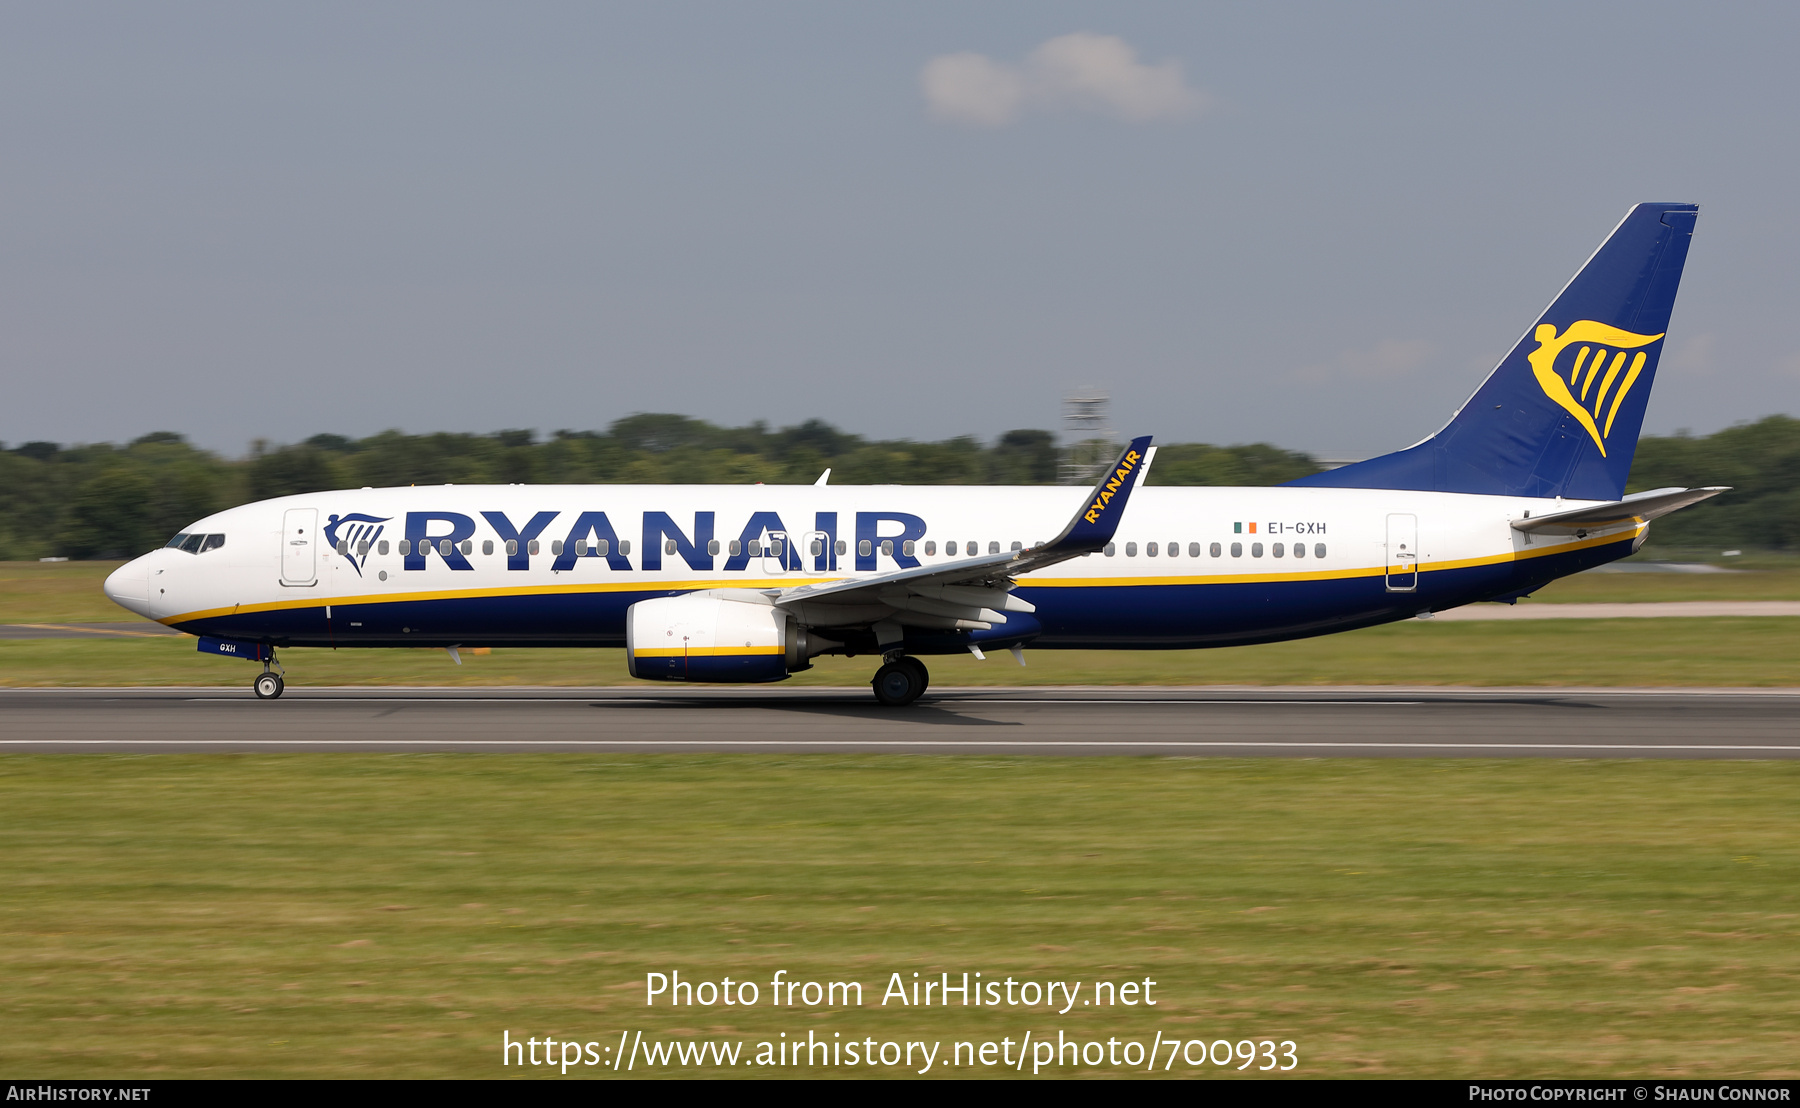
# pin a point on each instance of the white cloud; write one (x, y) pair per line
(1385, 361)
(1085, 72)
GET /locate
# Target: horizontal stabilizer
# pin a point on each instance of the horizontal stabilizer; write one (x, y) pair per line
(1638, 508)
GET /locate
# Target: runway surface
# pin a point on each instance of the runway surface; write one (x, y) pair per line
(1311, 722)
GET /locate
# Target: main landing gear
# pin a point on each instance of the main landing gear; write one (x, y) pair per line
(900, 681)
(268, 684)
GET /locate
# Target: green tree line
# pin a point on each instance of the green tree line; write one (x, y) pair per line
(111, 501)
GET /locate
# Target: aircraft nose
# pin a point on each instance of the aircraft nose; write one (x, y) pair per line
(129, 587)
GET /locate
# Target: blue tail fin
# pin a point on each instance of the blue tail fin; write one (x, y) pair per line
(1561, 414)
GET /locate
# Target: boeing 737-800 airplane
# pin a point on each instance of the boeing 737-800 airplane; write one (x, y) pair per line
(747, 584)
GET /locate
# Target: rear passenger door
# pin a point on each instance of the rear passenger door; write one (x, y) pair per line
(1402, 553)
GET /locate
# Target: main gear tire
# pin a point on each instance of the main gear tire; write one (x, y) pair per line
(919, 667)
(898, 684)
(268, 686)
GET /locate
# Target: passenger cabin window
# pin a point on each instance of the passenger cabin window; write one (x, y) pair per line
(1214, 550)
(1111, 549)
(405, 546)
(756, 548)
(603, 546)
(1018, 546)
(556, 547)
(1149, 550)
(512, 547)
(1299, 550)
(531, 547)
(930, 548)
(362, 547)
(444, 547)
(712, 546)
(1131, 550)
(887, 548)
(1277, 550)
(735, 548)
(1194, 550)
(1256, 550)
(1237, 550)
(864, 548)
(343, 546)
(906, 548)
(993, 548)
(949, 548)
(382, 546)
(581, 548)
(843, 547)
(1318, 550)
(487, 546)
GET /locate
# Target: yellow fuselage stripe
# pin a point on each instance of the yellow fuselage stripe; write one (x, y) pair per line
(706, 651)
(644, 585)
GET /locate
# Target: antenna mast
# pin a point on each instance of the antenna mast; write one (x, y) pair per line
(1089, 441)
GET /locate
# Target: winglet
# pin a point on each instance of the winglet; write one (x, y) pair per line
(1094, 525)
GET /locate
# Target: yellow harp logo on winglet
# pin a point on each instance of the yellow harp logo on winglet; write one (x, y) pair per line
(1587, 387)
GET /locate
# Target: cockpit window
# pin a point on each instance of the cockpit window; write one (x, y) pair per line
(196, 543)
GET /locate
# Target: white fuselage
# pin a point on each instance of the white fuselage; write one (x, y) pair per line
(1188, 566)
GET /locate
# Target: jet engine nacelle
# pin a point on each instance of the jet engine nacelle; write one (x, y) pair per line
(711, 638)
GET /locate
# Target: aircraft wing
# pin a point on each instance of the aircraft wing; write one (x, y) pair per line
(971, 594)
(1636, 508)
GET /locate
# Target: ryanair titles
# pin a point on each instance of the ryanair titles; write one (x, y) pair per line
(765, 537)
(1127, 466)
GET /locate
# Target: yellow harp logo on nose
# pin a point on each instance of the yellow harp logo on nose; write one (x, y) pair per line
(1585, 387)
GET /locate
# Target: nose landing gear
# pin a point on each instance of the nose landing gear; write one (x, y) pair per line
(901, 681)
(269, 684)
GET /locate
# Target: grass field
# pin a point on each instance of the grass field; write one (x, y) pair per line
(372, 915)
(1733, 651)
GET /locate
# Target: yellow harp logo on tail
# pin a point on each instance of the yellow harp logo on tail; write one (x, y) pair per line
(1586, 387)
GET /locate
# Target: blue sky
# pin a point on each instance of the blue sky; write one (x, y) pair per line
(1316, 225)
